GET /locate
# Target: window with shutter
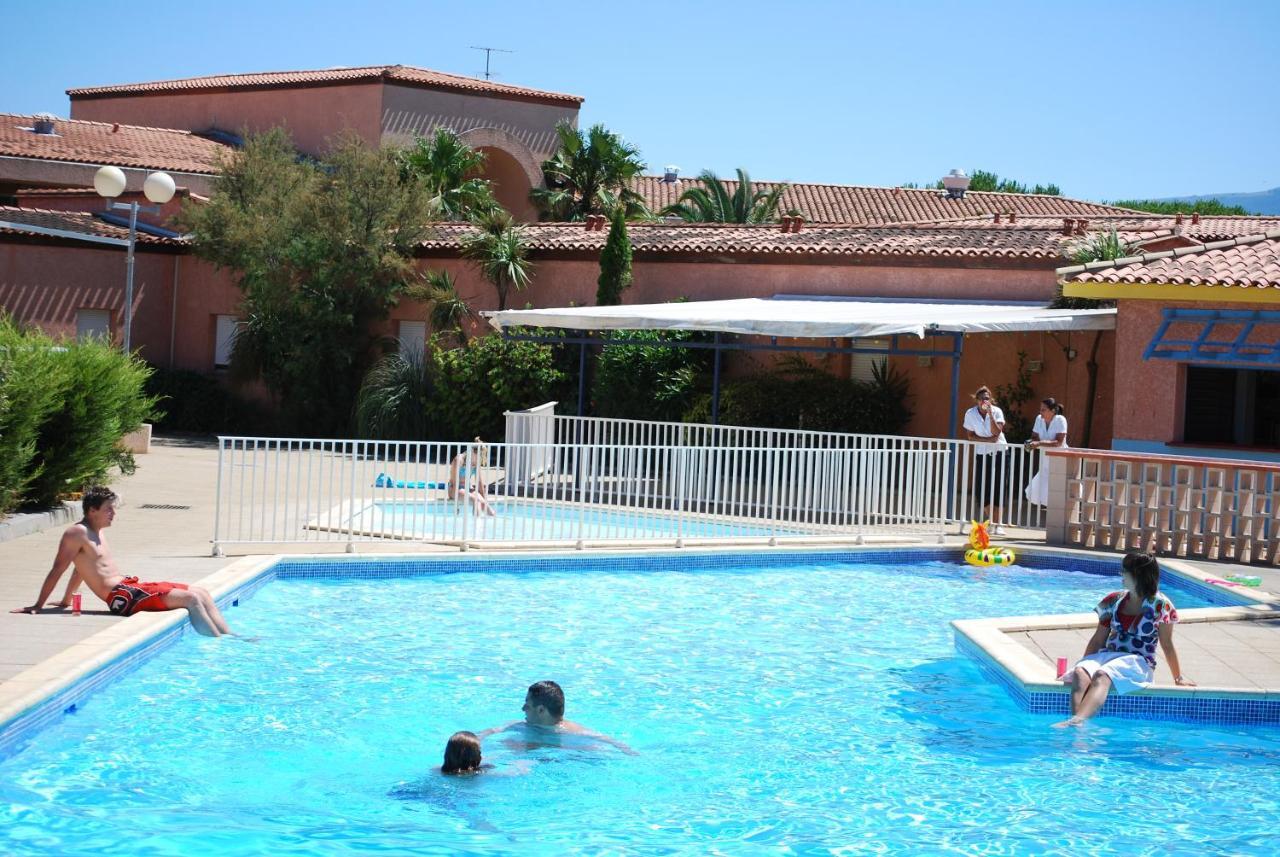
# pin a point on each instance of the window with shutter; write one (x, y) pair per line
(224, 340)
(93, 322)
(413, 338)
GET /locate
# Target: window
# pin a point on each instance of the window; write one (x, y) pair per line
(1234, 406)
(862, 366)
(93, 322)
(224, 340)
(413, 338)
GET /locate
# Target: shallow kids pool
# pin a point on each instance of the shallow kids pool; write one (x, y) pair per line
(790, 707)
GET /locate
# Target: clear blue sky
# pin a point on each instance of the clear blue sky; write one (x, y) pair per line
(1109, 100)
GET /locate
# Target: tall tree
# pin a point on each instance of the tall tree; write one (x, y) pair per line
(590, 173)
(500, 251)
(449, 170)
(615, 263)
(712, 202)
(322, 251)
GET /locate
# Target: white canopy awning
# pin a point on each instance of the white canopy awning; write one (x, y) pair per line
(818, 319)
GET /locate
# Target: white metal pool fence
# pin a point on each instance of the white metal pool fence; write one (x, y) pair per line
(969, 493)
(288, 490)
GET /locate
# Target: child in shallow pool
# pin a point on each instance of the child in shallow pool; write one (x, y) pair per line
(1122, 651)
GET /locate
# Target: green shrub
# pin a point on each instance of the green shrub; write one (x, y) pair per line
(474, 384)
(102, 399)
(29, 392)
(799, 396)
(192, 402)
(394, 399)
(637, 382)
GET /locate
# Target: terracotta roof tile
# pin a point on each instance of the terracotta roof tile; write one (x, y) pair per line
(290, 79)
(1248, 262)
(821, 240)
(109, 144)
(870, 206)
(73, 221)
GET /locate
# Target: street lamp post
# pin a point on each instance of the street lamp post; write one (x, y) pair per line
(110, 182)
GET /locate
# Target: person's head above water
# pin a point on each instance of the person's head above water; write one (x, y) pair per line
(461, 754)
(544, 704)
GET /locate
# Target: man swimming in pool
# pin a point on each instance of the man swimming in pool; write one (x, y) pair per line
(84, 546)
(544, 724)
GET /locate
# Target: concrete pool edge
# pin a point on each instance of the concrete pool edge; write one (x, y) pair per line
(1034, 686)
(33, 698)
(57, 685)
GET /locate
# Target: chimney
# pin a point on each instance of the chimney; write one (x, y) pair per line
(1013, 215)
(796, 223)
(1177, 219)
(594, 222)
(997, 217)
(1082, 226)
(44, 123)
(956, 183)
(897, 191)
(115, 127)
(786, 222)
(670, 174)
(1195, 218)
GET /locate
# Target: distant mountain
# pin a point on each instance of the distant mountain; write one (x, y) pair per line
(1259, 202)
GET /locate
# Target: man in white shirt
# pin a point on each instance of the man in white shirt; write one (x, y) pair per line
(984, 423)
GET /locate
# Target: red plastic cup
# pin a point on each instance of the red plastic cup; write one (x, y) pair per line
(75, 604)
(1062, 667)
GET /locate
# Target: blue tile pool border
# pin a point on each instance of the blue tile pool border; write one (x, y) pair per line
(1180, 706)
(22, 727)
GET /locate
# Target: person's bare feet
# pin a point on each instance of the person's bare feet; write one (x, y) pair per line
(1070, 721)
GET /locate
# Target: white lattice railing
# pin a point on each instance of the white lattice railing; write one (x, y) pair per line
(1193, 507)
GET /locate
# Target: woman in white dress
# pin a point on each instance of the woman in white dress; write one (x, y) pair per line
(1050, 430)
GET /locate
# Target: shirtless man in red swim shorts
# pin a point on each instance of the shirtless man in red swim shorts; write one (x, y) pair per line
(84, 545)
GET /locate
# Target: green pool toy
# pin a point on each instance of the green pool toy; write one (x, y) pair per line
(1245, 579)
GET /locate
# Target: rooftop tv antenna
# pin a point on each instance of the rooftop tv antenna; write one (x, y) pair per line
(487, 52)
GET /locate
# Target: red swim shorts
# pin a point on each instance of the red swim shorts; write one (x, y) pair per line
(129, 596)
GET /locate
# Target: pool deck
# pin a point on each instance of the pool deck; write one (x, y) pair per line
(173, 544)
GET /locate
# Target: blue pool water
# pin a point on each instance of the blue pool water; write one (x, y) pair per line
(521, 521)
(806, 709)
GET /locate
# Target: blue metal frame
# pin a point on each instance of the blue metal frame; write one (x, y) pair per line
(1203, 349)
(718, 345)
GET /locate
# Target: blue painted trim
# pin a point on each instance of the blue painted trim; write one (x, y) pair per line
(1203, 349)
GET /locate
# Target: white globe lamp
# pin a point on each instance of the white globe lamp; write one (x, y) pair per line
(159, 188)
(109, 182)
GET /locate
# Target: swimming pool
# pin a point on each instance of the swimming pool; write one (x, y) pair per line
(518, 521)
(792, 704)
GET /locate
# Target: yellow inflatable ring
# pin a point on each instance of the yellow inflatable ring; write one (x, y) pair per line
(989, 556)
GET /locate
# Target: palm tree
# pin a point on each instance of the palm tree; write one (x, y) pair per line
(449, 169)
(590, 173)
(501, 253)
(449, 310)
(712, 202)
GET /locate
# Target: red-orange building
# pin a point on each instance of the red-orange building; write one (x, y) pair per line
(857, 241)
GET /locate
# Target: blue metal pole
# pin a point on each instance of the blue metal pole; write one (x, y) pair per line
(957, 347)
(715, 384)
(582, 378)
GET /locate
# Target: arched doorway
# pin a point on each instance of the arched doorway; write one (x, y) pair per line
(511, 167)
